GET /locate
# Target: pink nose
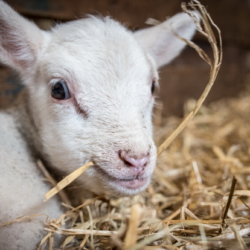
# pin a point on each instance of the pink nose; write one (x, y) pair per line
(133, 161)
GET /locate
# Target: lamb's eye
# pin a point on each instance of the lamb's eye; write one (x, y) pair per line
(60, 90)
(153, 87)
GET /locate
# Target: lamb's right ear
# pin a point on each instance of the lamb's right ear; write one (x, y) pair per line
(20, 39)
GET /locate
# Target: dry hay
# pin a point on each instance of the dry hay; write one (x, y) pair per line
(184, 206)
(192, 202)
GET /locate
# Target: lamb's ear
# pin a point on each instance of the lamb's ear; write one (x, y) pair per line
(160, 41)
(20, 39)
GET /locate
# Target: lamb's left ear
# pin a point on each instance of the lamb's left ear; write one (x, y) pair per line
(20, 40)
(160, 41)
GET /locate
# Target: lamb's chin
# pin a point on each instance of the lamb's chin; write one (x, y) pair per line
(122, 185)
(121, 188)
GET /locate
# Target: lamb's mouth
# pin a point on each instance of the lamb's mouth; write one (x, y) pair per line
(134, 182)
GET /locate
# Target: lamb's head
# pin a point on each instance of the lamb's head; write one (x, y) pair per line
(91, 89)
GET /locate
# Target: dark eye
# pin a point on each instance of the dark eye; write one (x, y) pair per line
(60, 90)
(153, 87)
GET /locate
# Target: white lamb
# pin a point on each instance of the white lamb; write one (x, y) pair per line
(89, 96)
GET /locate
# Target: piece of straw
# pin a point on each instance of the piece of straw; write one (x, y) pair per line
(52, 181)
(234, 181)
(23, 218)
(214, 64)
(67, 180)
(134, 220)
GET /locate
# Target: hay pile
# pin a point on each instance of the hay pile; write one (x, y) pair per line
(184, 206)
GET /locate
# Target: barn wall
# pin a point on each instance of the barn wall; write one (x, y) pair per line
(186, 76)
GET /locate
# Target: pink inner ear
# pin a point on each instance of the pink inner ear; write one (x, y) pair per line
(15, 48)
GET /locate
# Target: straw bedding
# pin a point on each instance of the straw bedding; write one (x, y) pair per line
(184, 206)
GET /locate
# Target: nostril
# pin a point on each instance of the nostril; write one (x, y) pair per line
(127, 163)
(133, 161)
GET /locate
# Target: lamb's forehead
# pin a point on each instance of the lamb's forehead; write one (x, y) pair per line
(90, 27)
(99, 42)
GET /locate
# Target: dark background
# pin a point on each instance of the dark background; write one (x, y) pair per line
(187, 75)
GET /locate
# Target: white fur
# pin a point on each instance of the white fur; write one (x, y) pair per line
(109, 71)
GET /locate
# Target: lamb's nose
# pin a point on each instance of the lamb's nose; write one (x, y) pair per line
(133, 161)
